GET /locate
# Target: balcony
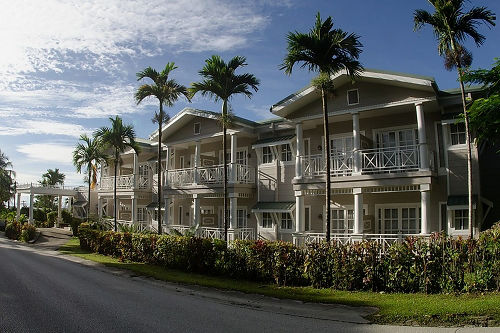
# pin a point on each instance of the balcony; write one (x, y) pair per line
(126, 182)
(217, 233)
(372, 161)
(210, 175)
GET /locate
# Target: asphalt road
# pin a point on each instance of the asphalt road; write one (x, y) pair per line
(42, 291)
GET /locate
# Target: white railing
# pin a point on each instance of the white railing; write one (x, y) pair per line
(124, 182)
(341, 164)
(58, 186)
(212, 233)
(245, 233)
(377, 160)
(179, 177)
(143, 182)
(393, 159)
(210, 175)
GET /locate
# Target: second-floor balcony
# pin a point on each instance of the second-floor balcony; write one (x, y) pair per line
(210, 175)
(370, 161)
(126, 182)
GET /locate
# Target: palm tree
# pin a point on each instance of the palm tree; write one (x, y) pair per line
(88, 153)
(118, 137)
(327, 51)
(6, 180)
(452, 25)
(221, 83)
(167, 91)
(53, 177)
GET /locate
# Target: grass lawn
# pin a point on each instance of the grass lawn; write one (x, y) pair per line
(409, 309)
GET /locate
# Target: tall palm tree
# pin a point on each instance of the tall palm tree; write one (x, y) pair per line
(221, 83)
(88, 153)
(452, 25)
(328, 51)
(6, 181)
(118, 137)
(167, 91)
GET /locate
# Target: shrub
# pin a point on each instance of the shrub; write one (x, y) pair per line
(74, 223)
(437, 264)
(39, 215)
(66, 217)
(13, 230)
(51, 218)
(28, 232)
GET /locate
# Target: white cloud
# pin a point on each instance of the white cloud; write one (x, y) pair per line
(93, 35)
(47, 152)
(22, 127)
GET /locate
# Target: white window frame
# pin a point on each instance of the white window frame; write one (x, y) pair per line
(141, 214)
(273, 157)
(289, 219)
(199, 128)
(281, 151)
(262, 222)
(347, 95)
(245, 219)
(443, 150)
(449, 137)
(207, 208)
(381, 229)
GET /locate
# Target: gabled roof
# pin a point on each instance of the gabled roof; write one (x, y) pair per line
(186, 114)
(307, 94)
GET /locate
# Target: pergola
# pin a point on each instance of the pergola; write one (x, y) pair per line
(37, 189)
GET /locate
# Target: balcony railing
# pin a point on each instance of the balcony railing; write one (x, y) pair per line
(377, 160)
(218, 233)
(126, 182)
(210, 175)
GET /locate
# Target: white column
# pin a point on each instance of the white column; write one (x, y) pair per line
(422, 137)
(18, 206)
(232, 169)
(99, 207)
(300, 216)
(32, 197)
(197, 152)
(196, 209)
(425, 205)
(358, 210)
(136, 170)
(356, 143)
(300, 150)
(59, 206)
(165, 178)
(166, 217)
(134, 209)
(233, 211)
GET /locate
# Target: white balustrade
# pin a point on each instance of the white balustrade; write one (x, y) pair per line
(179, 177)
(210, 175)
(124, 182)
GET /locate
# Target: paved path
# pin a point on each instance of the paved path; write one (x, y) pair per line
(43, 291)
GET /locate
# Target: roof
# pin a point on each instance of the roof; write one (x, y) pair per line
(276, 207)
(460, 200)
(201, 113)
(144, 142)
(80, 203)
(273, 141)
(409, 79)
(457, 91)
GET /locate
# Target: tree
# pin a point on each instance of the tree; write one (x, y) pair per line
(484, 113)
(88, 153)
(221, 83)
(167, 91)
(118, 137)
(328, 51)
(452, 25)
(6, 180)
(53, 177)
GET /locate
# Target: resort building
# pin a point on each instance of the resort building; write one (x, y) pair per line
(398, 167)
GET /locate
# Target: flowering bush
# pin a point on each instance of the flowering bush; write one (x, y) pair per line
(436, 264)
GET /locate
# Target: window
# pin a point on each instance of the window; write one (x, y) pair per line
(181, 162)
(267, 220)
(342, 221)
(307, 147)
(197, 128)
(440, 143)
(457, 134)
(461, 219)
(241, 157)
(267, 155)
(409, 219)
(206, 210)
(286, 221)
(391, 222)
(352, 97)
(179, 221)
(286, 153)
(241, 218)
(307, 211)
(404, 219)
(140, 213)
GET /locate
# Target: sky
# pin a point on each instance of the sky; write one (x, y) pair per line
(66, 66)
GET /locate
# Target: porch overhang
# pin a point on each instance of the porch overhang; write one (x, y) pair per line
(274, 141)
(274, 207)
(456, 202)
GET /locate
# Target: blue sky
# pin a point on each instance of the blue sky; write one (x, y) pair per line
(66, 66)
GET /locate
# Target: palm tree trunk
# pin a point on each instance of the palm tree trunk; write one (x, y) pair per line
(326, 132)
(159, 169)
(224, 129)
(467, 139)
(114, 191)
(88, 200)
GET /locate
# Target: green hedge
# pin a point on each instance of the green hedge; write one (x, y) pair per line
(439, 264)
(24, 232)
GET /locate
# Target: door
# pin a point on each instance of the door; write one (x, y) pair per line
(341, 154)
